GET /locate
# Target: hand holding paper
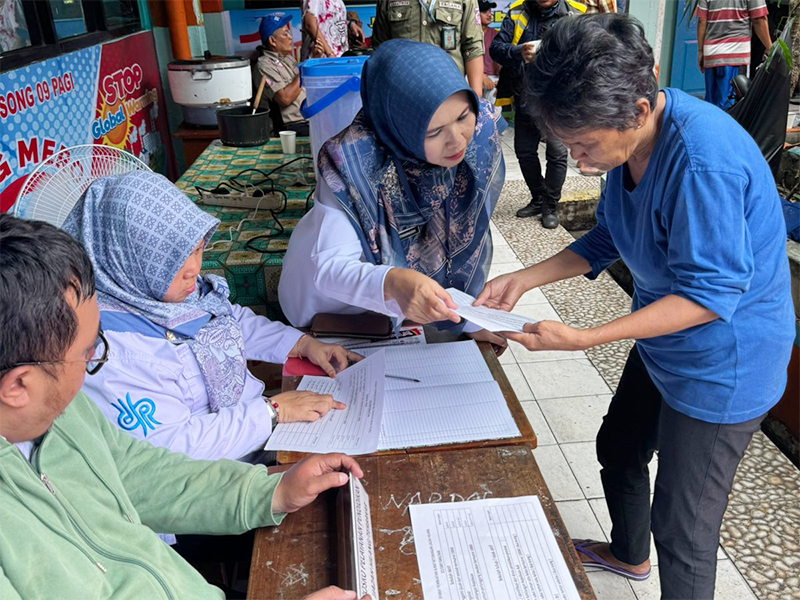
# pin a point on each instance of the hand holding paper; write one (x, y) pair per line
(489, 318)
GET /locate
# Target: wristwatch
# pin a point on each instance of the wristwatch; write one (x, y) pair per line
(272, 409)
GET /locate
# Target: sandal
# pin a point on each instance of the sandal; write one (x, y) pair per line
(596, 561)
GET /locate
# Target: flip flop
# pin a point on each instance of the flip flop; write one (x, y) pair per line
(600, 563)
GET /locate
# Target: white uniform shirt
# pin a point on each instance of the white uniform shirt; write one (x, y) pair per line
(153, 388)
(324, 269)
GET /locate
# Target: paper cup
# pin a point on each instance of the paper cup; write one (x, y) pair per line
(288, 141)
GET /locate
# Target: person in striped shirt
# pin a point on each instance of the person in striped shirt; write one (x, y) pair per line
(723, 42)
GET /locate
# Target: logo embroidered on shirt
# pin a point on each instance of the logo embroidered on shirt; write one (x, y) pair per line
(136, 414)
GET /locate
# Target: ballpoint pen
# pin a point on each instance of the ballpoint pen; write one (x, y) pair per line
(403, 378)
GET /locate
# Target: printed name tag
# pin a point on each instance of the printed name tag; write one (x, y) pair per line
(399, 3)
(453, 5)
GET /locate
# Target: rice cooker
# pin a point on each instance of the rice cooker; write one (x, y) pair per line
(201, 86)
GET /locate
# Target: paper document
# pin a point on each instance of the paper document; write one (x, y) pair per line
(455, 400)
(431, 416)
(490, 319)
(354, 430)
(363, 545)
(434, 364)
(492, 549)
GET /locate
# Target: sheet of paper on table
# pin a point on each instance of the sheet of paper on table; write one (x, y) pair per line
(494, 549)
(489, 318)
(363, 542)
(456, 399)
(354, 430)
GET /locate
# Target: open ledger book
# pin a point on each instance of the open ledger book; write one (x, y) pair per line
(439, 394)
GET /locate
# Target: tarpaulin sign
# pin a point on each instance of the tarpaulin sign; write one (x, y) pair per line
(109, 94)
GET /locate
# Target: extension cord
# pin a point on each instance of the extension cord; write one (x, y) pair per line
(269, 201)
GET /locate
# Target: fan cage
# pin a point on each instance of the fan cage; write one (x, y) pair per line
(56, 185)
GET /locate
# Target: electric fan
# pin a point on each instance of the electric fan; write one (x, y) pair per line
(57, 183)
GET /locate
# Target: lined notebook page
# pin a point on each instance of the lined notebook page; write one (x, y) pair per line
(429, 416)
(434, 365)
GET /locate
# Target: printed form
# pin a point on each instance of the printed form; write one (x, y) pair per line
(353, 430)
(363, 544)
(490, 319)
(492, 549)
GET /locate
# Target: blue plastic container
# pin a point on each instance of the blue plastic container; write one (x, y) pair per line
(333, 96)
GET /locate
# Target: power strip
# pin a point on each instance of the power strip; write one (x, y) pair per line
(269, 201)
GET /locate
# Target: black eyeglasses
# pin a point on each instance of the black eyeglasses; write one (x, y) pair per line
(93, 365)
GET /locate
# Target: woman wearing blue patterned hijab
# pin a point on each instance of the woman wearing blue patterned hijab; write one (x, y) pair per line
(415, 177)
(178, 372)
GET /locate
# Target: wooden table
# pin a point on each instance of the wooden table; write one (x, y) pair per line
(299, 556)
(527, 436)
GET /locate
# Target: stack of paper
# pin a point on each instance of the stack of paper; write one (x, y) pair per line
(453, 400)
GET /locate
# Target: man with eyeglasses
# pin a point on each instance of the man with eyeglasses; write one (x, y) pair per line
(81, 498)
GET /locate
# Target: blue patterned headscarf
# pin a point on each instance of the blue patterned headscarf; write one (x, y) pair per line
(138, 230)
(407, 212)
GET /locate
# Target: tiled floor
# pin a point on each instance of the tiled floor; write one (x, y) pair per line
(565, 395)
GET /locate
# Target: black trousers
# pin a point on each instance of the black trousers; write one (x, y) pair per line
(696, 465)
(526, 145)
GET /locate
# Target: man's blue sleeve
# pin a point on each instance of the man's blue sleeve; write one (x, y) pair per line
(596, 247)
(502, 51)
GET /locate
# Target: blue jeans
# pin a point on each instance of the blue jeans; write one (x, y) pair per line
(718, 85)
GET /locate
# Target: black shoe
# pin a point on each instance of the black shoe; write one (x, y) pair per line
(533, 208)
(550, 217)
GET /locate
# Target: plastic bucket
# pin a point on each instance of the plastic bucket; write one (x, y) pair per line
(238, 127)
(333, 96)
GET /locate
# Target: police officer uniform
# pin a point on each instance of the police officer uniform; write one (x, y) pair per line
(453, 25)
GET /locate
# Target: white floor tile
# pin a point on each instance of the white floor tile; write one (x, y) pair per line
(557, 474)
(580, 520)
(507, 358)
(575, 419)
(518, 381)
(523, 355)
(544, 437)
(503, 254)
(608, 586)
(535, 296)
(563, 378)
(730, 584)
(582, 459)
(538, 312)
(497, 270)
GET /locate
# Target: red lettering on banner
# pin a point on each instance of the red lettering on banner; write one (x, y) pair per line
(48, 148)
(5, 169)
(16, 101)
(121, 83)
(29, 153)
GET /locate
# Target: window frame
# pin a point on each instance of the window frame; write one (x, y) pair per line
(45, 43)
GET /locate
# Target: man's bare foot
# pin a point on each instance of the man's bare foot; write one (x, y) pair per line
(602, 550)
